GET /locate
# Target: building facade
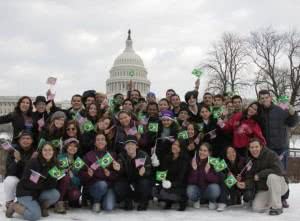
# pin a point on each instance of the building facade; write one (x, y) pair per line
(127, 67)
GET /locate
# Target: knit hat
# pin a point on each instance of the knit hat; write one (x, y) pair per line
(151, 94)
(167, 114)
(57, 115)
(24, 133)
(71, 140)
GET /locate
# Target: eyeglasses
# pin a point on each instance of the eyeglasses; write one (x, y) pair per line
(71, 129)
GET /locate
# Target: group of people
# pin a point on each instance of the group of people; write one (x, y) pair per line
(128, 150)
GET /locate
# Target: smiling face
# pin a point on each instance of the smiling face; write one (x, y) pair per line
(59, 122)
(191, 130)
(25, 105)
(124, 119)
(175, 101)
(203, 152)
(183, 115)
(152, 110)
(131, 148)
(208, 99)
(192, 101)
(176, 147)
(166, 122)
(104, 124)
(25, 142)
(76, 103)
(40, 107)
(47, 152)
(163, 105)
(128, 106)
(72, 149)
(255, 149)
(71, 130)
(252, 110)
(265, 100)
(100, 142)
(93, 110)
(205, 113)
(231, 154)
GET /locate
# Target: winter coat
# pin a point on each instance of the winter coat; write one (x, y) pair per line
(75, 180)
(26, 187)
(275, 124)
(243, 130)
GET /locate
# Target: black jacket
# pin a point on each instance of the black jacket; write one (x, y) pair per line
(14, 168)
(274, 124)
(267, 163)
(28, 188)
(129, 171)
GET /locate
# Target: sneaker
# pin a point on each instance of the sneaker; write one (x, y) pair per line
(96, 207)
(285, 204)
(60, 207)
(275, 212)
(196, 205)
(212, 206)
(221, 207)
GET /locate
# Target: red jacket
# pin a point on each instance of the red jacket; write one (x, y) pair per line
(243, 130)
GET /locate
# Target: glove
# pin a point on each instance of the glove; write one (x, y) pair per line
(154, 160)
(166, 184)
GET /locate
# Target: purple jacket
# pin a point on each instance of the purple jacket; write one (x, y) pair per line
(200, 178)
(89, 159)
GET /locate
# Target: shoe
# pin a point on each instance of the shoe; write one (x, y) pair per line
(196, 205)
(168, 205)
(128, 205)
(275, 212)
(285, 204)
(66, 204)
(96, 207)
(212, 206)
(221, 207)
(14, 207)
(142, 207)
(60, 207)
(7, 204)
(44, 209)
(182, 206)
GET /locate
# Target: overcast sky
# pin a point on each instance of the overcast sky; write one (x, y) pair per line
(78, 40)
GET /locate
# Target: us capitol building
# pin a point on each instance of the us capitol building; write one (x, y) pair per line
(127, 67)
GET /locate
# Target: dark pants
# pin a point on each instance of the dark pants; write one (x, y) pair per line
(68, 192)
(283, 154)
(139, 191)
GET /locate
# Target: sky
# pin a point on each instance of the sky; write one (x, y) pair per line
(78, 40)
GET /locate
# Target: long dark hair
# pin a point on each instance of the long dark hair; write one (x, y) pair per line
(40, 154)
(256, 116)
(76, 125)
(18, 109)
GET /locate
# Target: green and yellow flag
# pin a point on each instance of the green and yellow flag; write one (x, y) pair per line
(183, 135)
(56, 173)
(153, 127)
(105, 161)
(161, 175)
(78, 163)
(230, 181)
(63, 162)
(220, 166)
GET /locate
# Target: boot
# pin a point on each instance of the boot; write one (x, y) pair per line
(128, 205)
(60, 207)
(168, 205)
(182, 206)
(44, 209)
(14, 207)
(142, 206)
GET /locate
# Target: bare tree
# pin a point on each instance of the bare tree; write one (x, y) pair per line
(267, 47)
(226, 63)
(293, 52)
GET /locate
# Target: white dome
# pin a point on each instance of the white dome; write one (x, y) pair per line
(128, 58)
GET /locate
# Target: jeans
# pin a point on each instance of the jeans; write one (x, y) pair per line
(210, 193)
(101, 193)
(32, 207)
(283, 154)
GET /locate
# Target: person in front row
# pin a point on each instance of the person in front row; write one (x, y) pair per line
(267, 177)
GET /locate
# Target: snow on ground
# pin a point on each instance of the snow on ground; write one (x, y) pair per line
(230, 214)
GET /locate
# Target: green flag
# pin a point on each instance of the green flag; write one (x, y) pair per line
(197, 72)
(217, 112)
(141, 129)
(63, 162)
(283, 99)
(78, 163)
(88, 126)
(56, 173)
(161, 175)
(153, 127)
(106, 160)
(213, 161)
(220, 166)
(230, 181)
(56, 143)
(41, 143)
(183, 135)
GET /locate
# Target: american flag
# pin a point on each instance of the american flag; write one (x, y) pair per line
(95, 166)
(140, 162)
(35, 176)
(7, 146)
(132, 131)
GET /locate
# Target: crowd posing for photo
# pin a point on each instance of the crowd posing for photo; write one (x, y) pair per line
(123, 152)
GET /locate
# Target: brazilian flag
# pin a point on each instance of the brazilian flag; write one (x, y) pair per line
(230, 181)
(56, 173)
(161, 175)
(153, 127)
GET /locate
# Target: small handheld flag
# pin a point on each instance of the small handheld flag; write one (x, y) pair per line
(141, 129)
(197, 72)
(153, 127)
(230, 181)
(88, 126)
(56, 173)
(140, 162)
(220, 166)
(106, 160)
(78, 163)
(35, 176)
(213, 161)
(183, 135)
(161, 175)
(7, 146)
(63, 162)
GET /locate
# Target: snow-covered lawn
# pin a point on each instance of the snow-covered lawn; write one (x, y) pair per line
(230, 214)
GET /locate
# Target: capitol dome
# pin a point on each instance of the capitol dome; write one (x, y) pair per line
(127, 67)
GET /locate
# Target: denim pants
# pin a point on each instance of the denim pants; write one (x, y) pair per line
(210, 193)
(32, 206)
(101, 193)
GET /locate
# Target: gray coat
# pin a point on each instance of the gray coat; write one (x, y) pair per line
(275, 123)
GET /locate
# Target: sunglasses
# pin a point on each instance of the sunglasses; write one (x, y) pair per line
(71, 129)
